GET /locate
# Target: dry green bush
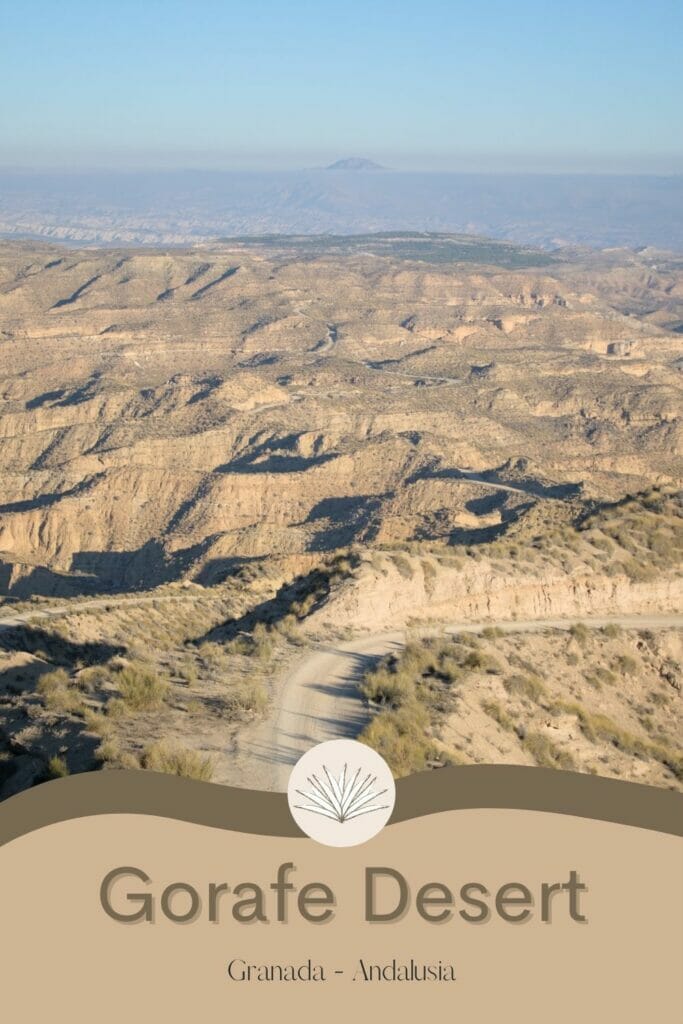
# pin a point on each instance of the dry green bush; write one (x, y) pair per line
(612, 631)
(404, 565)
(468, 640)
(49, 682)
(626, 664)
(599, 726)
(259, 644)
(526, 686)
(93, 678)
(482, 661)
(188, 672)
(173, 759)
(240, 645)
(109, 751)
(288, 627)
(59, 697)
(545, 753)
(495, 711)
(213, 655)
(580, 632)
(141, 687)
(604, 675)
(57, 768)
(399, 736)
(392, 689)
(97, 722)
(263, 642)
(248, 694)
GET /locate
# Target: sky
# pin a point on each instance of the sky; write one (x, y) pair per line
(430, 85)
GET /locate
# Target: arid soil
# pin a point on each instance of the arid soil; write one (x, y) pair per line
(167, 414)
(215, 461)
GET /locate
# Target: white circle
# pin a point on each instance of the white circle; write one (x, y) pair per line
(341, 793)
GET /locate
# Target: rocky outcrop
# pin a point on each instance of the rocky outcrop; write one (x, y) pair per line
(396, 597)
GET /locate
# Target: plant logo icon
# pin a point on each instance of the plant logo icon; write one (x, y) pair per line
(341, 793)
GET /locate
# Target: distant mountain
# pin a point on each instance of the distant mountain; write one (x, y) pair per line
(189, 207)
(355, 163)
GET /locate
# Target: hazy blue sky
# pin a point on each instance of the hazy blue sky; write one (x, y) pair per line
(287, 83)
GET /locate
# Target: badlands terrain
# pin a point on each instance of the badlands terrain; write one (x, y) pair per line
(421, 488)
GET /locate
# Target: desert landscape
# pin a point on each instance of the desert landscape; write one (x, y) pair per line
(423, 489)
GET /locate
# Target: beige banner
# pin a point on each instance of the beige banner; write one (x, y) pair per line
(65, 959)
(455, 788)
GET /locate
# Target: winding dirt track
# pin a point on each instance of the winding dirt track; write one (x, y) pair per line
(39, 614)
(317, 699)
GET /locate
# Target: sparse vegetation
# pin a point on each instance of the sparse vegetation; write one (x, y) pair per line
(173, 759)
(545, 753)
(434, 684)
(57, 767)
(141, 687)
(530, 687)
(400, 737)
(350, 480)
(494, 710)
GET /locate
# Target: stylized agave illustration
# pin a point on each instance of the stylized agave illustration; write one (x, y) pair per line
(343, 798)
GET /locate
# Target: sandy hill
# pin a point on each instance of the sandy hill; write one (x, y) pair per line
(179, 413)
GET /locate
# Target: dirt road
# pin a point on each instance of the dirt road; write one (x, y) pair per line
(39, 614)
(317, 699)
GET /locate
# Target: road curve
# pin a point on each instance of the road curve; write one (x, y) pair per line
(317, 699)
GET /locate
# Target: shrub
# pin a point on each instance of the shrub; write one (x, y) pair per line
(173, 759)
(493, 709)
(429, 570)
(580, 632)
(526, 686)
(612, 631)
(96, 722)
(482, 662)
(63, 700)
(242, 644)
(129, 761)
(450, 669)
(141, 688)
(404, 566)
(117, 708)
(57, 768)
(93, 678)
(188, 672)
(49, 682)
(601, 727)
(390, 688)
(545, 753)
(212, 654)
(638, 572)
(288, 627)
(605, 675)
(263, 642)
(109, 750)
(399, 736)
(467, 640)
(247, 694)
(626, 664)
